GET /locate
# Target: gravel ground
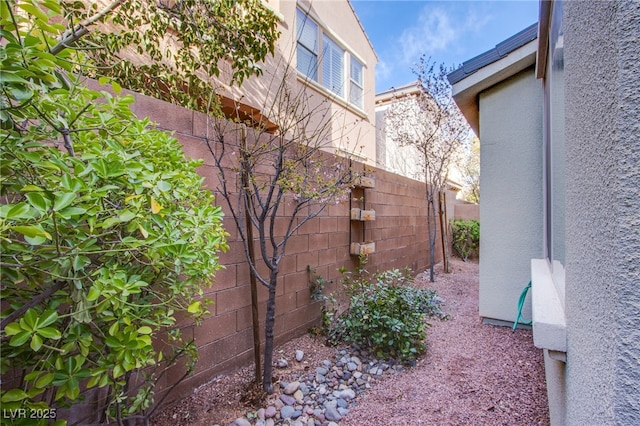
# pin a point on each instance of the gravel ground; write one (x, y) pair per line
(472, 374)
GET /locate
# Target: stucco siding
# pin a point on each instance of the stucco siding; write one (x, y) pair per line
(627, 404)
(511, 182)
(338, 21)
(603, 243)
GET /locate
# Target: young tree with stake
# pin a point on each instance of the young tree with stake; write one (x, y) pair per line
(276, 174)
(433, 126)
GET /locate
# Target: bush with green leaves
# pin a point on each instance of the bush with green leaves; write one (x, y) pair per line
(106, 235)
(387, 315)
(465, 235)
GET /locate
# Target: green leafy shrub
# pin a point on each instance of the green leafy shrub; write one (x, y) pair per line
(386, 314)
(466, 238)
(316, 293)
(106, 235)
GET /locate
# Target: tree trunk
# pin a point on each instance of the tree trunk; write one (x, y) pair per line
(267, 376)
(252, 259)
(442, 206)
(431, 231)
(255, 320)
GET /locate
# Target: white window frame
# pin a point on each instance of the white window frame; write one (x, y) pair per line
(333, 75)
(353, 82)
(330, 44)
(309, 26)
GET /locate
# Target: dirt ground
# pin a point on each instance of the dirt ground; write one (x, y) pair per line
(471, 374)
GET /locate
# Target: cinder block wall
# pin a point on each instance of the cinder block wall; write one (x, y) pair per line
(225, 339)
(466, 211)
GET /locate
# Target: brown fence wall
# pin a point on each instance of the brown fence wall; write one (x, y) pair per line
(225, 339)
(466, 211)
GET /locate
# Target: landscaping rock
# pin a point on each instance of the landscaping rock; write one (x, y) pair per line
(270, 412)
(323, 395)
(331, 413)
(241, 422)
(291, 388)
(347, 394)
(288, 400)
(287, 412)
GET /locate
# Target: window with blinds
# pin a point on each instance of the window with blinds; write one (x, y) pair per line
(356, 83)
(307, 48)
(344, 79)
(332, 66)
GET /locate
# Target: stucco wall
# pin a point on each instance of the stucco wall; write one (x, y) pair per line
(338, 20)
(511, 182)
(392, 155)
(603, 204)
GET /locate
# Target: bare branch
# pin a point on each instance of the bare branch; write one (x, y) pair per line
(70, 37)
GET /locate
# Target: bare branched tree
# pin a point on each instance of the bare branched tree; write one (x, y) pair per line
(277, 173)
(432, 124)
(471, 173)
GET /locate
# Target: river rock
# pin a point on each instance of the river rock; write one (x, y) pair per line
(241, 422)
(270, 412)
(331, 413)
(287, 399)
(291, 388)
(282, 363)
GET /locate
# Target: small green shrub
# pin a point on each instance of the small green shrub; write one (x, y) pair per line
(316, 293)
(466, 238)
(386, 315)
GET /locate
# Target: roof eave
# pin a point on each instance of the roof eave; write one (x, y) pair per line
(466, 90)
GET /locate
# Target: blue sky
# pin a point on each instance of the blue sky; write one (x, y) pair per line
(451, 32)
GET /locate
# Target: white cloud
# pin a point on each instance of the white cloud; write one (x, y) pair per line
(434, 31)
(476, 20)
(437, 31)
(383, 69)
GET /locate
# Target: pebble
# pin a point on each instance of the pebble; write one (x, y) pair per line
(270, 412)
(323, 395)
(331, 413)
(291, 388)
(282, 363)
(288, 412)
(287, 399)
(347, 394)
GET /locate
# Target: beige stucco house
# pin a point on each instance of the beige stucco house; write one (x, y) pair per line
(556, 109)
(324, 52)
(390, 154)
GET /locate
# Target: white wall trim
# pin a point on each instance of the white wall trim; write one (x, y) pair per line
(549, 320)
